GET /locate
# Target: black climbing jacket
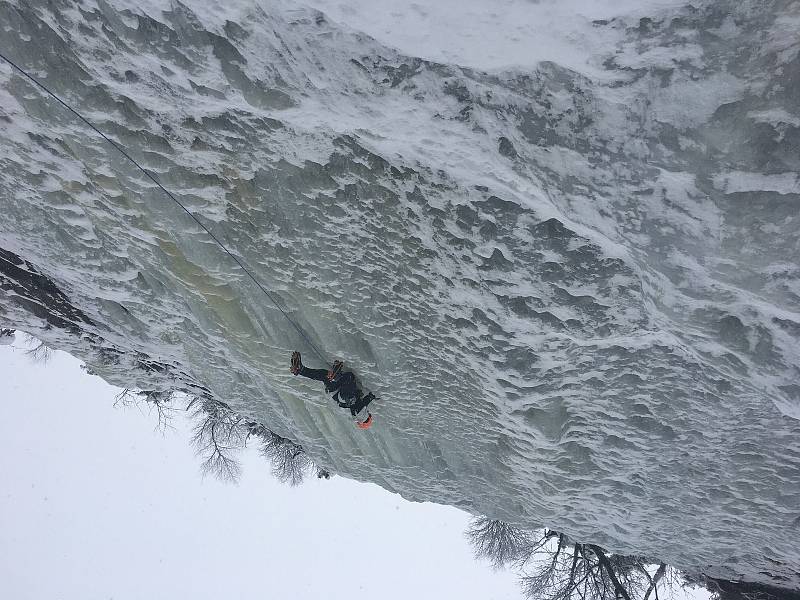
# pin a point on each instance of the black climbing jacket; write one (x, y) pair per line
(344, 389)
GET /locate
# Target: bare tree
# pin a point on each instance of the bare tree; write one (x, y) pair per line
(159, 402)
(555, 568)
(218, 435)
(289, 461)
(557, 571)
(126, 397)
(498, 541)
(589, 572)
(40, 353)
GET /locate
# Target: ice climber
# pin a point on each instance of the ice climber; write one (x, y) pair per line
(341, 385)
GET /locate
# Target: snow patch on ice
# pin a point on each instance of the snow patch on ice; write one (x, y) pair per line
(732, 182)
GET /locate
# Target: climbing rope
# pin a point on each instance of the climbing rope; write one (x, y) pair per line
(147, 174)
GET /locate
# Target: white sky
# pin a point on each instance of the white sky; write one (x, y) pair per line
(96, 504)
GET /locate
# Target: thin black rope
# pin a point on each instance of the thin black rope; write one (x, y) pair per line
(122, 151)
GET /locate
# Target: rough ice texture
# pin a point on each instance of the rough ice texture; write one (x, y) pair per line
(574, 286)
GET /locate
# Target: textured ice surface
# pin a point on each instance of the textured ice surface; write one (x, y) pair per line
(575, 285)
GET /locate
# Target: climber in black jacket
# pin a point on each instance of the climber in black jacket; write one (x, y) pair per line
(341, 385)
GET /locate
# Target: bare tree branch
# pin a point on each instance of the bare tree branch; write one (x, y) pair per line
(289, 461)
(662, 568)
(619, 590)
(500, 542)
(40, 353)
(218, 435)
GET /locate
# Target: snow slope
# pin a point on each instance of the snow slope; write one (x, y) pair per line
(566, 258)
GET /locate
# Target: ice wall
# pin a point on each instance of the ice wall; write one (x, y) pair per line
(574, 286)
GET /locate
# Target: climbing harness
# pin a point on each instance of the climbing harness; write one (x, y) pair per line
(122, 151)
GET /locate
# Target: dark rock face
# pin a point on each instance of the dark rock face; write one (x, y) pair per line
(37, 295)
